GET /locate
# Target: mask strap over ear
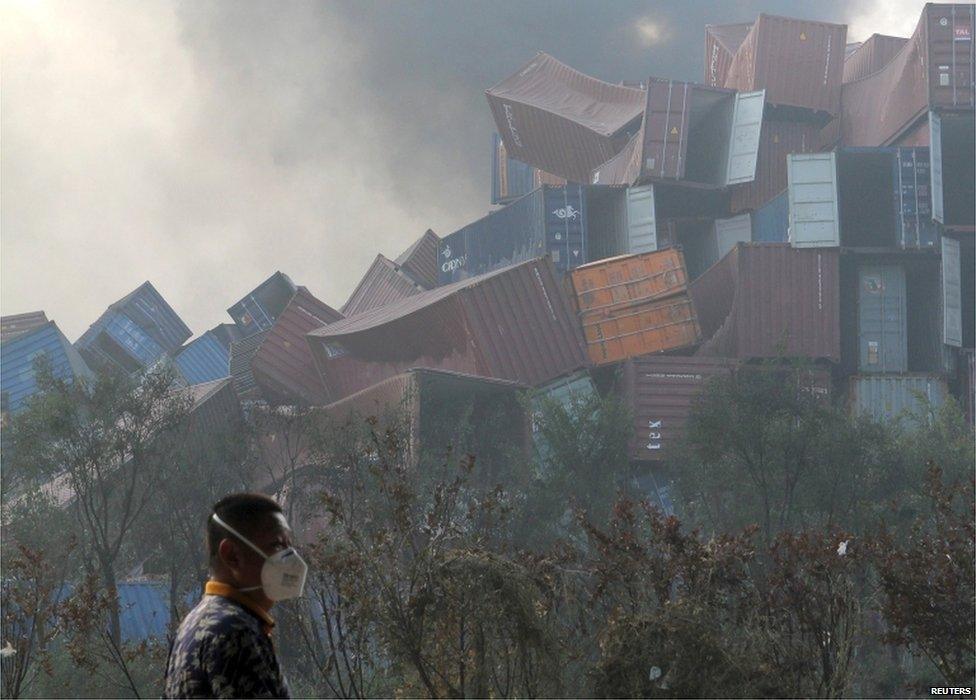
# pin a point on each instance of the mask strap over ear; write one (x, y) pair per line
(238, 535)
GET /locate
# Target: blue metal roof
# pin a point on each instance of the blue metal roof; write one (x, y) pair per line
(204, 359)
(143, 610)
(17, 375)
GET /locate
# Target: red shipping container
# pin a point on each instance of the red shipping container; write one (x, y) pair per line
(384, 283)
(871, 56)
(419, 261)
(514, 323)
(799, 63)
(721, 43)
(766, 300)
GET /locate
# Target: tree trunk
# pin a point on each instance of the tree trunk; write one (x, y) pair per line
(112, 591)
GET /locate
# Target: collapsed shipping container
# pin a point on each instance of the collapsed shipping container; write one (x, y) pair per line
(18, 378)
(767, 300)
(861, 198)
(893, 315)
(511, 178)
(15, 324)
(721, 43)
(241, 374)
(384, 283)
(934, 70)
(419, 261)
(133, 333)
(514, 323)
(635, 304)
(258, 310)
(443, 412)
(562, 121)
(799, 63)
(910, 399)
(690, 133)
(871, 55)
(282, 366)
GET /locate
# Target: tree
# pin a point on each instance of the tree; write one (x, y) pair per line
(106, 445)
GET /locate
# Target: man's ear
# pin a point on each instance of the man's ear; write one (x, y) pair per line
(228, 553)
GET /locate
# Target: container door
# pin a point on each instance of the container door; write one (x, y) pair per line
(951, 293)
(665, 127)
(812, 184)
(728, 232)
(913, 201)
(565, 218)
(641, 224)
(744, 141)
(882, 319)
(935, 159)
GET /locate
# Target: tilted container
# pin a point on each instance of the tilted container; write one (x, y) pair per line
(258, 310)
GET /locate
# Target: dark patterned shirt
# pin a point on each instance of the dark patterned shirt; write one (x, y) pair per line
(223, 650)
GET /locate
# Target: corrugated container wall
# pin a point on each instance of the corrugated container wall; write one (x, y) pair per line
(258, 310)
(771, 222)
(204, 359)
(147, 309)
(241, 353)
(910, 399)
(419, 261)
(799, 63)
(18, 381)
(513, 323)
(115, 342)
(550, 220)
(721, 43)
(14, 325)
(770, 300)
(882, 319)
(283, 366)
(777, 140)
(560, 120)
(384, 283)
(871, 56)
(933, 70)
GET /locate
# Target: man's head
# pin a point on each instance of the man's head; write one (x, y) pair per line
(258, 518)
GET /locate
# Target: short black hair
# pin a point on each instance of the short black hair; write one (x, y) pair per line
(245, 512)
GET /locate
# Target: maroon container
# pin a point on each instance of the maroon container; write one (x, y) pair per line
(871, 56)
(419, 261)
(560, 120)
(799, 63)
(765, 300)
(384, 283)
(515, 323)
(282, 366)
(933, 70)
(721, 43)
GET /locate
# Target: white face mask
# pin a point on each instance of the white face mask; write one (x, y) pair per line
(283, 573)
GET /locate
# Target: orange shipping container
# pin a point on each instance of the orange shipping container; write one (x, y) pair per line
(629, 279)
(646, 328)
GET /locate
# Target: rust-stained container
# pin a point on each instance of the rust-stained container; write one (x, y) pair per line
(16, 324)
(933, 70)
(766, 300)
(778, 138)
(445, 412)
(721, 43)
(872, 55)
(514, 323)
(419, 261)
(384, 283)
(800, 63)
(605, 286)
(562, 121)
(669, 324)
(283, 366)
(634, 304)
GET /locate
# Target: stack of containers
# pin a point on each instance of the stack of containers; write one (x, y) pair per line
(635, 304)
(511, 178)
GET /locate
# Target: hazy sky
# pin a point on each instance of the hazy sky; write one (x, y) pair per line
(204, 145)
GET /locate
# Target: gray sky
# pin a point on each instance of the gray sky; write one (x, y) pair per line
(204, 145)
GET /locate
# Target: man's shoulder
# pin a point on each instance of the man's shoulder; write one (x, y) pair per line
(218, 616)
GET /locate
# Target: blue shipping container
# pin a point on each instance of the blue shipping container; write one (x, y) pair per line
(913, 193)
(204, 359)
(550, 220)
(258, 310)
(510, 178)
(17, 376)
(146, 308)
(771, 222)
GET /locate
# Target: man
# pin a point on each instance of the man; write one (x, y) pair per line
(223, 648)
